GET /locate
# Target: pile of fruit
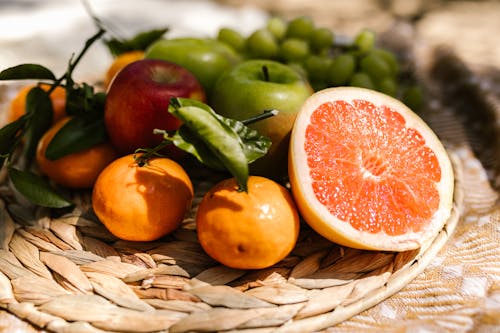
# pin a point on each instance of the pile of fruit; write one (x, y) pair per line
(285, 104)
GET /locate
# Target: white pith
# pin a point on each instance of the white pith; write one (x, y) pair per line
(323, 217)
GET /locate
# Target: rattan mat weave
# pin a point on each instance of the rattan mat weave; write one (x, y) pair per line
(69, 274)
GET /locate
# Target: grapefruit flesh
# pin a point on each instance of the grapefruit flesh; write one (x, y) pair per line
(367, 172)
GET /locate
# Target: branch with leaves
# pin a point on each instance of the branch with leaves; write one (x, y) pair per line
(85, 129)
(217, 142)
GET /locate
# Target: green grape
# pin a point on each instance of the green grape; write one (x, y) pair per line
(389, 58)
(262, 44)
(413, 98)
(277, 26)
(317, 67)
(341, 69)
(318, 85)
(300, 27)
(375, 66)
(232, 38)
(299, 68)
(293, 49)
(362, 80)
(365, 41)
(321, 39)
(388, 86)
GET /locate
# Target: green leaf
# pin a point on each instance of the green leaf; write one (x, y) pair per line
(220, 139)
(27, 71)
(186, 140)
(140, 42)
(254, 145)
(217, 141)
(36, 189)
(40, 114)
(77, 134)
(9, 135)
(82, 101)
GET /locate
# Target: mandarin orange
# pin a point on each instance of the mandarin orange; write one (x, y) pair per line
(142, 203)
(17, 106)
(247, 230)
(77, 170)
(119, 63)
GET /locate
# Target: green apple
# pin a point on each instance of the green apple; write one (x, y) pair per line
(205, 58)
(254, 86)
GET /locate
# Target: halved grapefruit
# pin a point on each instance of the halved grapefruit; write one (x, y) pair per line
(367, 172)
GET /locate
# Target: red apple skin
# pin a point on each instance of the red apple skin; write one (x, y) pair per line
(137, 102)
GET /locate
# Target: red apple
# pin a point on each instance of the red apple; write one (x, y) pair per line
(137, 102)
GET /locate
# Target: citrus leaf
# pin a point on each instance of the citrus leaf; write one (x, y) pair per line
(82, 101)
(9, 134)
(40, 113)
(190, 143)
(77, 134)
(222, 141)
(27, 71)
(255, 145)
(140, 42)
(36, 189)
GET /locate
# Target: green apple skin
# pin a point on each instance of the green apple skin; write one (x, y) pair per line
(243, 92)
(207, 58)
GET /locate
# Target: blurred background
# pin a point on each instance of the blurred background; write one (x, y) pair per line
(49, 31)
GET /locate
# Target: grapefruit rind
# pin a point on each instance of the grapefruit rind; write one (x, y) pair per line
(331, 227)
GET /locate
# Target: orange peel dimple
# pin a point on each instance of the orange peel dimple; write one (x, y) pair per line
(367, 172)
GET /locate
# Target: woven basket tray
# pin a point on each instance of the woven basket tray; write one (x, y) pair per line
(69, 274)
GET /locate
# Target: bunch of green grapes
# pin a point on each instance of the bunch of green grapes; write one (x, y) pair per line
(315, 52)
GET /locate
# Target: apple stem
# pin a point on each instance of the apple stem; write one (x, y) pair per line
(265, 72)
(264, 115)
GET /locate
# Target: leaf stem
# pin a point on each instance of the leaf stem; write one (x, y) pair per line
(148, 153)
(87, 45)
(264, 115)
(72, 64)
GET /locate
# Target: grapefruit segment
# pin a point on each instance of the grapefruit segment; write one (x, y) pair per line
(367, 172)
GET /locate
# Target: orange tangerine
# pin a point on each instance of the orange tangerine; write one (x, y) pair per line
(247, 230)
(367, 172)
(142, 203)
(17, 107)
(76, 170)
(119, 62)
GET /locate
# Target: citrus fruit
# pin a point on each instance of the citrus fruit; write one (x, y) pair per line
(119, 63)
(142, 203)
(17, 106)
(367, 172)
(247, 230)
(76, 170)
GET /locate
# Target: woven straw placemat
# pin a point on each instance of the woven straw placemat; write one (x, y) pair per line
(69, 274)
